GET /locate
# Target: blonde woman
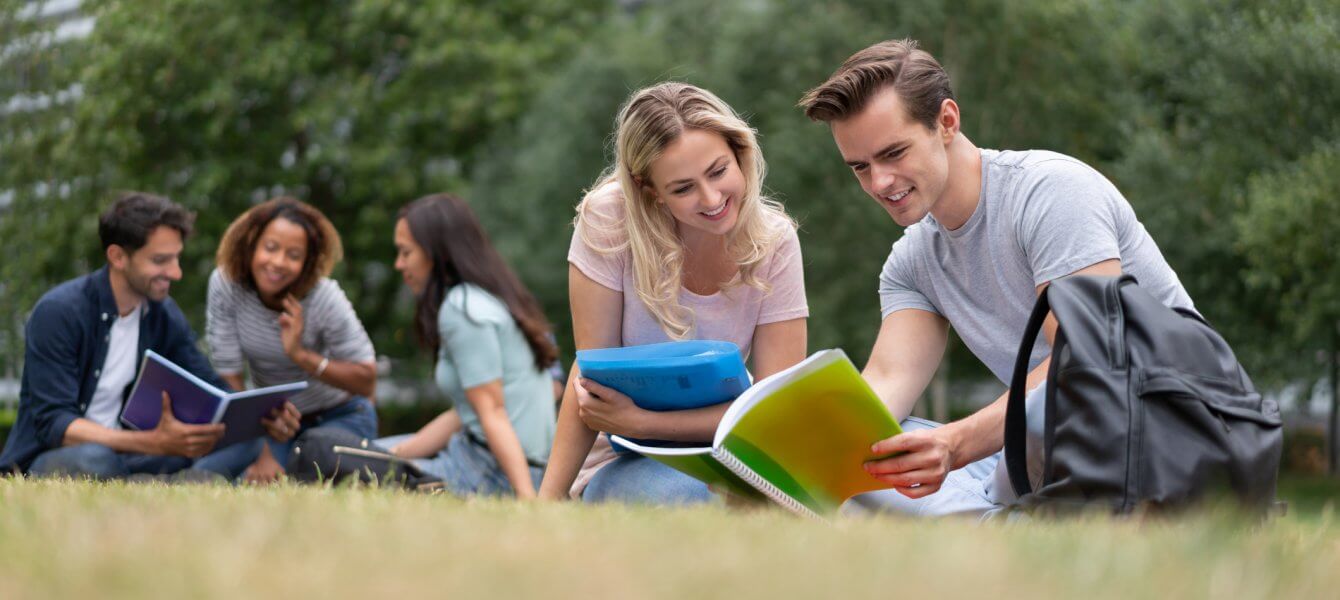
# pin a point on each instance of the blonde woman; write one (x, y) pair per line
(676, 241)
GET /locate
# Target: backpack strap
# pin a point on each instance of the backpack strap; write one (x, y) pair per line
(1016, 419)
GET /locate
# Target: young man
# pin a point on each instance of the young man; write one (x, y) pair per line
(986, 231)
(84, 342)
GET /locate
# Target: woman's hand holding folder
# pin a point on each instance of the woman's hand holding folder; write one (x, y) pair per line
(606, 409)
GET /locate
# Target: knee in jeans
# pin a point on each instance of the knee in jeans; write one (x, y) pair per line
(681, 491)
(85, 460)
(643, 480)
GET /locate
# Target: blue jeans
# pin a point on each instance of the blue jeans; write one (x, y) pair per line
(358, 415)
(466, 467)
(96, 461)
(980, 489)
(636, 479)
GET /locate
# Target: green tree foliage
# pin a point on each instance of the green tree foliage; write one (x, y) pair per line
(34, 84)
(357, 107)
(360, 106)
(1289, 233)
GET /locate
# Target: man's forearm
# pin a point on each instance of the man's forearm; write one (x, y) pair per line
(899, 392)
(983, 433)
(979, 435)
(84, 431)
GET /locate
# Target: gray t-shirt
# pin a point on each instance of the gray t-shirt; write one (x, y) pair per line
(1040, 216)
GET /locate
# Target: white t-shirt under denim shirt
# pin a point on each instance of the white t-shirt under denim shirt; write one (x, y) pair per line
(117, 371)
(240, 328)
(1041, 215)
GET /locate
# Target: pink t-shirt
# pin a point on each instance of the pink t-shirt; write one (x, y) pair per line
(729, 315)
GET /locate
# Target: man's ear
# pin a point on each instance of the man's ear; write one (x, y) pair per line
(117, 257)
(949, 121)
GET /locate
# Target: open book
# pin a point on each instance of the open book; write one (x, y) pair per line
(799, 437)
(197, 402)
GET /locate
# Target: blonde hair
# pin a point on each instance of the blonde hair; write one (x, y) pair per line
(651, 120)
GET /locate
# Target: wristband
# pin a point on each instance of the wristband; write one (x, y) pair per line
(321, 368)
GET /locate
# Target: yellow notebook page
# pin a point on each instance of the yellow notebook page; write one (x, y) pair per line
(811, 436)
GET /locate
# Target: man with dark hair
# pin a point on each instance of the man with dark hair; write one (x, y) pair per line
(82, 346)
(986, 231)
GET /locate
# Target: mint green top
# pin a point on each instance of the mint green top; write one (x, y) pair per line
(481, 343)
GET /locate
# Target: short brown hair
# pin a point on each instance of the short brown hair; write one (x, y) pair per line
(915, 75)
(134, 215)
(238, 245)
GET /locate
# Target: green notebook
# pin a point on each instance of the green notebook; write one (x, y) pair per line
(799, 437)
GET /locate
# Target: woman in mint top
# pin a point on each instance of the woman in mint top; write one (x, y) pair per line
(492, 346)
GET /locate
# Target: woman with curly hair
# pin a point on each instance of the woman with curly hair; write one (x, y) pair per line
(274, 311)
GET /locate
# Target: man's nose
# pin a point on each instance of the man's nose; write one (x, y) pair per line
(882, 179)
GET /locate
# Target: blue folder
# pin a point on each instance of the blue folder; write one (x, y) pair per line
(670, 375)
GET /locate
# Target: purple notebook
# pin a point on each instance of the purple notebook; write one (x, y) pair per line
(196, 401)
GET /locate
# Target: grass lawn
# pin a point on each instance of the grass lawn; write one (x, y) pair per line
(61, 539)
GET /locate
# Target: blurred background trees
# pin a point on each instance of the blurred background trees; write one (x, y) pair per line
(1219, 120)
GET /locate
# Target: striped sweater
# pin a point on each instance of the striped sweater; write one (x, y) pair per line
(242, 330)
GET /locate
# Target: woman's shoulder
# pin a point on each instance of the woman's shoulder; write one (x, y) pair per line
(476, 303)
(328, 302)
(781, 222)
(781, 230)
(223, 288)
(601, 214)
(326, 287)
(604, 200)
(327, 293)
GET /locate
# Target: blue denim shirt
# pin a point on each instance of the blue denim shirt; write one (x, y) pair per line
(66, 342)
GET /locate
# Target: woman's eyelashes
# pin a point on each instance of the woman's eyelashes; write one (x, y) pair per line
(717, 174)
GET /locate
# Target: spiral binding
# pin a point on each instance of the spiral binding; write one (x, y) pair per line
(724, 457)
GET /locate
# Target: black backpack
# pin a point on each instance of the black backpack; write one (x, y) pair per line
(1146, 407)
(333, 455)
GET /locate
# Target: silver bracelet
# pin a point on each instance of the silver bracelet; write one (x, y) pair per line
(321, 368)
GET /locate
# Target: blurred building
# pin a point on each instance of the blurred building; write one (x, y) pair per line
(30, 49)
(31, 36)
(26, 58)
